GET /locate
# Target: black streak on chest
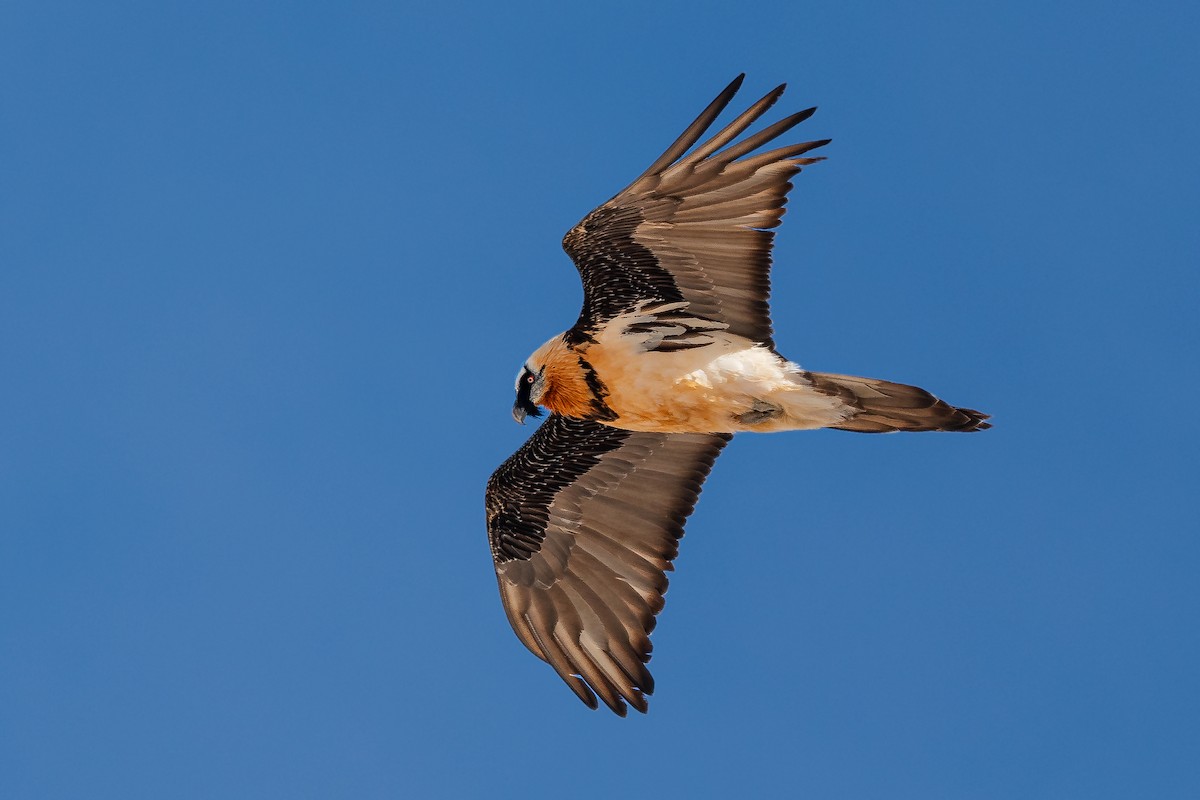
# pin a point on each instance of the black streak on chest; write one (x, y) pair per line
(600, 410)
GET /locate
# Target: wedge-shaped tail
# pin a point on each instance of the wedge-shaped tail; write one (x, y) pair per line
(883, 406)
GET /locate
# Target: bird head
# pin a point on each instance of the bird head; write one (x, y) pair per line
(531, 384)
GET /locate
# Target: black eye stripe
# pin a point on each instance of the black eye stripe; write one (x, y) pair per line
(525, 382)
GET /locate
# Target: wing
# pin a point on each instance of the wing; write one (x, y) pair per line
(694, 228)
(584, 521)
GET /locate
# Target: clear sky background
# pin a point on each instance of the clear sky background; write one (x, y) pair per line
(267, 272)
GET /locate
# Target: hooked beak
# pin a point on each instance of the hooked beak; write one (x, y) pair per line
(524, 408)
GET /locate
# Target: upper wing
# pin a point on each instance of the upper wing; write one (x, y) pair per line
(583, 521)
(694, 228)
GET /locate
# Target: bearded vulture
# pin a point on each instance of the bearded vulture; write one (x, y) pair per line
(672, 354)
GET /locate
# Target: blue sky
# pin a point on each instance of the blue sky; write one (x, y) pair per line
(267, 272)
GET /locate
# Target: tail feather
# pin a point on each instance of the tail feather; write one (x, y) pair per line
(882, 406)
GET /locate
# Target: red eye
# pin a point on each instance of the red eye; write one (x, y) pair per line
(529, 379)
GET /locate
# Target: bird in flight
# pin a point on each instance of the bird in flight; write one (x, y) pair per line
(671, 355)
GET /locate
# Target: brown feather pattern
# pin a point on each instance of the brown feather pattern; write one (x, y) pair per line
(693, 227)
(883, 406)
(598, 513)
